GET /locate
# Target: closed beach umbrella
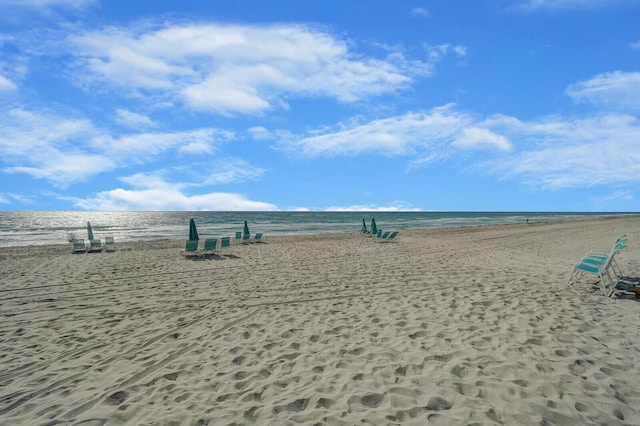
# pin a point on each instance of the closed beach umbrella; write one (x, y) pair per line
(374, 228)
(364, 226)
(193, 231)
(89, 231)
(246, 228)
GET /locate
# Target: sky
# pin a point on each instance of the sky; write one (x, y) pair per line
(358, 105)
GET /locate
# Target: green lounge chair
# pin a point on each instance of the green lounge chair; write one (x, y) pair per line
(258, 237)
(191, 248)
(95, 245)
(388, 237)
(109, 244)
(210, 245)
(382, 236)
(225, 243)
(78, 246)
(238, 235)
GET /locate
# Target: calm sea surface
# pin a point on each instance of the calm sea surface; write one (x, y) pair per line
(39, 228)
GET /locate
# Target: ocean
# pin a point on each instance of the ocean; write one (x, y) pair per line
(40, 228)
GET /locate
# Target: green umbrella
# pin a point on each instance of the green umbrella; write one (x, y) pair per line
(364, 226)
(245, 232)
(193, 231)
(374, 228)
(89, 231)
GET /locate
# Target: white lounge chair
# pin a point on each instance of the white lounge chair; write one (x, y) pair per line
(109, 244)
(607, 283)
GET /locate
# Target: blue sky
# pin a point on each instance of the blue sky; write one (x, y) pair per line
(516, 105)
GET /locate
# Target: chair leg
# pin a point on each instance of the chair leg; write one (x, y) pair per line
(573, 277)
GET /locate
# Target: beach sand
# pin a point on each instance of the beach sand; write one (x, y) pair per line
(452, 326)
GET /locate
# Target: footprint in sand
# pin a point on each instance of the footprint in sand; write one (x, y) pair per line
(324, 403)
(438, 404)
(372, 400)
(460, 371)
(467, 389)
(117, 398)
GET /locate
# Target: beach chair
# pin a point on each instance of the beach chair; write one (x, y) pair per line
(95, 245)
(599, 258)
(78, 246)
(390, 237)
(581, 268)
(109, 244)
(382, 236)
(210, 245)
(258, 237)
(225, 243)
(191, 248)
(238, 235)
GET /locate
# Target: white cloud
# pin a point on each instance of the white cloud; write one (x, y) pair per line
(420, 11)
(68, 150)
(427, 136)
(259, 133)
(635, 45)
(238, 68)
(396, 206)
(615, 89)
(557, 153)
(563, 4)
(133, 120)
(232, 171)
(45, 4)
(438, 52)
(45, 147)
(153, 193)
(400, 135)
(479, 138)
(6, 84)
(144, 146)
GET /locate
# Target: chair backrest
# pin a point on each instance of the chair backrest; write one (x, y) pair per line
(77, 244)
(225, 242)
(191, 245)
(96, 243)
(393, 235)
(109, 241)
(210, 244)
(384, 235)
(258, 236)
(238, 235)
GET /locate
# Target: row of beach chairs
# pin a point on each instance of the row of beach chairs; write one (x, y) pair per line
(95, 245)
(385, 236)
(377, 235)
(600, 263)
(380, 236)
(211, 246)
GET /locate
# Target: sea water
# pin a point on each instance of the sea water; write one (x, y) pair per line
(40, 228)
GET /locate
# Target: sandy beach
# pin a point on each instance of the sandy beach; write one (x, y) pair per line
(451, 326)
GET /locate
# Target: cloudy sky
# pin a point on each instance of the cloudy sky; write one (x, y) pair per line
(492, 105)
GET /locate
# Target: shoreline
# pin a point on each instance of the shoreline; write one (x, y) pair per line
(449, 325)
(54, 228)
(328, 234)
